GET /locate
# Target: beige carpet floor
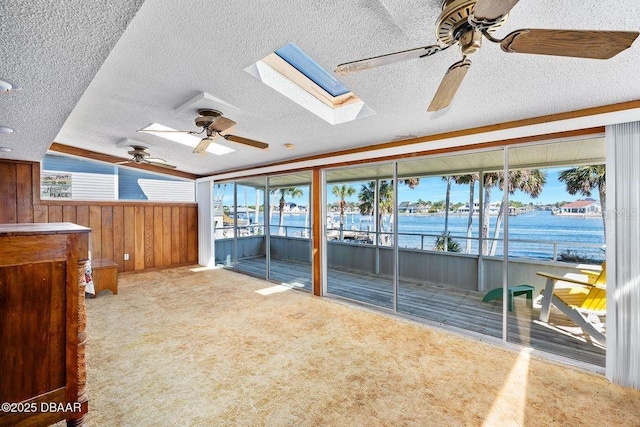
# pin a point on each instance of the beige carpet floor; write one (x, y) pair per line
(182, 347)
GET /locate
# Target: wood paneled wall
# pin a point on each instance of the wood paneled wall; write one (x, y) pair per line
(153, 234)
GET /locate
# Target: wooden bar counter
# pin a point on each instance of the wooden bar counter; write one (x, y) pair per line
(42, 324)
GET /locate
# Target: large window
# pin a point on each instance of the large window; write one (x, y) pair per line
(455, 239)
(556, 227)
(263, 227)
(359, 230)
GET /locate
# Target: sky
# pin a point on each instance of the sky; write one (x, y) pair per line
(432, 189)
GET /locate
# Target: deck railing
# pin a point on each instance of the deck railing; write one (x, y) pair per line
(426, 242)
(542, 249)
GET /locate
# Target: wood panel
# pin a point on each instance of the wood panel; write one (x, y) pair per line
(41, 213)
(82, 218)
(118, 236)
(69, 214)
(184, 215)
(175, 235)
(157, 236)
(139, 234)
(24, 192)
(82, 215)
(55, 213)
(166, 235)
(8, 190)
(95, 223)
(152, 234)
(192, 234)
(107, 231)
(129, 231)
(148, 237)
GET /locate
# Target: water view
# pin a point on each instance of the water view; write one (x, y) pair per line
(531, 235)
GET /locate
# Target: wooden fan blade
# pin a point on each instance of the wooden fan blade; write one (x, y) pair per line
(203, 145)
(155, 160)
(449, 85)
(575, 43)
(247, 141)
(489, 10)
(161, 164)
(220, 124)
(390, 58)
(152, 131)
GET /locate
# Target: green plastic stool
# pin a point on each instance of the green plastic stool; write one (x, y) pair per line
(512, 291)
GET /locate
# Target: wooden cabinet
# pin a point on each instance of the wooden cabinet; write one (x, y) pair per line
(105, 276)
(42, 324)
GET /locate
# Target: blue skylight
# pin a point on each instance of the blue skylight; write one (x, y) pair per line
(311, 69)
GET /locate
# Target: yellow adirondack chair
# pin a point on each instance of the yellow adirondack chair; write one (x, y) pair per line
(580, 300)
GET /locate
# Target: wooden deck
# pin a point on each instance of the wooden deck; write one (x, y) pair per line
(458, 308)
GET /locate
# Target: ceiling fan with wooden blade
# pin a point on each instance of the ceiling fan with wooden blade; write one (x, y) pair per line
(465, 22)
(140, 155)
(212, 124)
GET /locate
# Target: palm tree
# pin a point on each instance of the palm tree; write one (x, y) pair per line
(529, 181)
(286, 191)
(447, 203)
(342, 192)
(584, 180)
(471, 180)
(367, 198)
(490, 180)
(452, 245)
(411, 182)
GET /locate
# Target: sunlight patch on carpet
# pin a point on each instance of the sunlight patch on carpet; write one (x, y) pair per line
(511, 401)
(199, 269)
(273, 290)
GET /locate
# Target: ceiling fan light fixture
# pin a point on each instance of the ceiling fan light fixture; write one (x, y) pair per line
(5, 130)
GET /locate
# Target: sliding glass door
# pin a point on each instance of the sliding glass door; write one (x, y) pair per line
(290, 229)
(445, 213)
(556, 230)
(359, 230)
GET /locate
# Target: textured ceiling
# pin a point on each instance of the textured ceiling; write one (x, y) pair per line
(172, 51)
(52, 50)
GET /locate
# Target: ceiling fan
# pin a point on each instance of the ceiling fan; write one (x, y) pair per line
(465, 22)
(213, 124)
(140, 155)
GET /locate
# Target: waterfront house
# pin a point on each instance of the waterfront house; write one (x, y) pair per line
(494, 208)
(580, 207)
(406, 207)
(79, 79)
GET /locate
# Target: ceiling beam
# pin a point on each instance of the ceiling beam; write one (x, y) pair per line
(93, 155)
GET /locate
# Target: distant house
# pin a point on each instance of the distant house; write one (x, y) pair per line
(494, 208)
(580, 207)
(290, 208)
(406, 207)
